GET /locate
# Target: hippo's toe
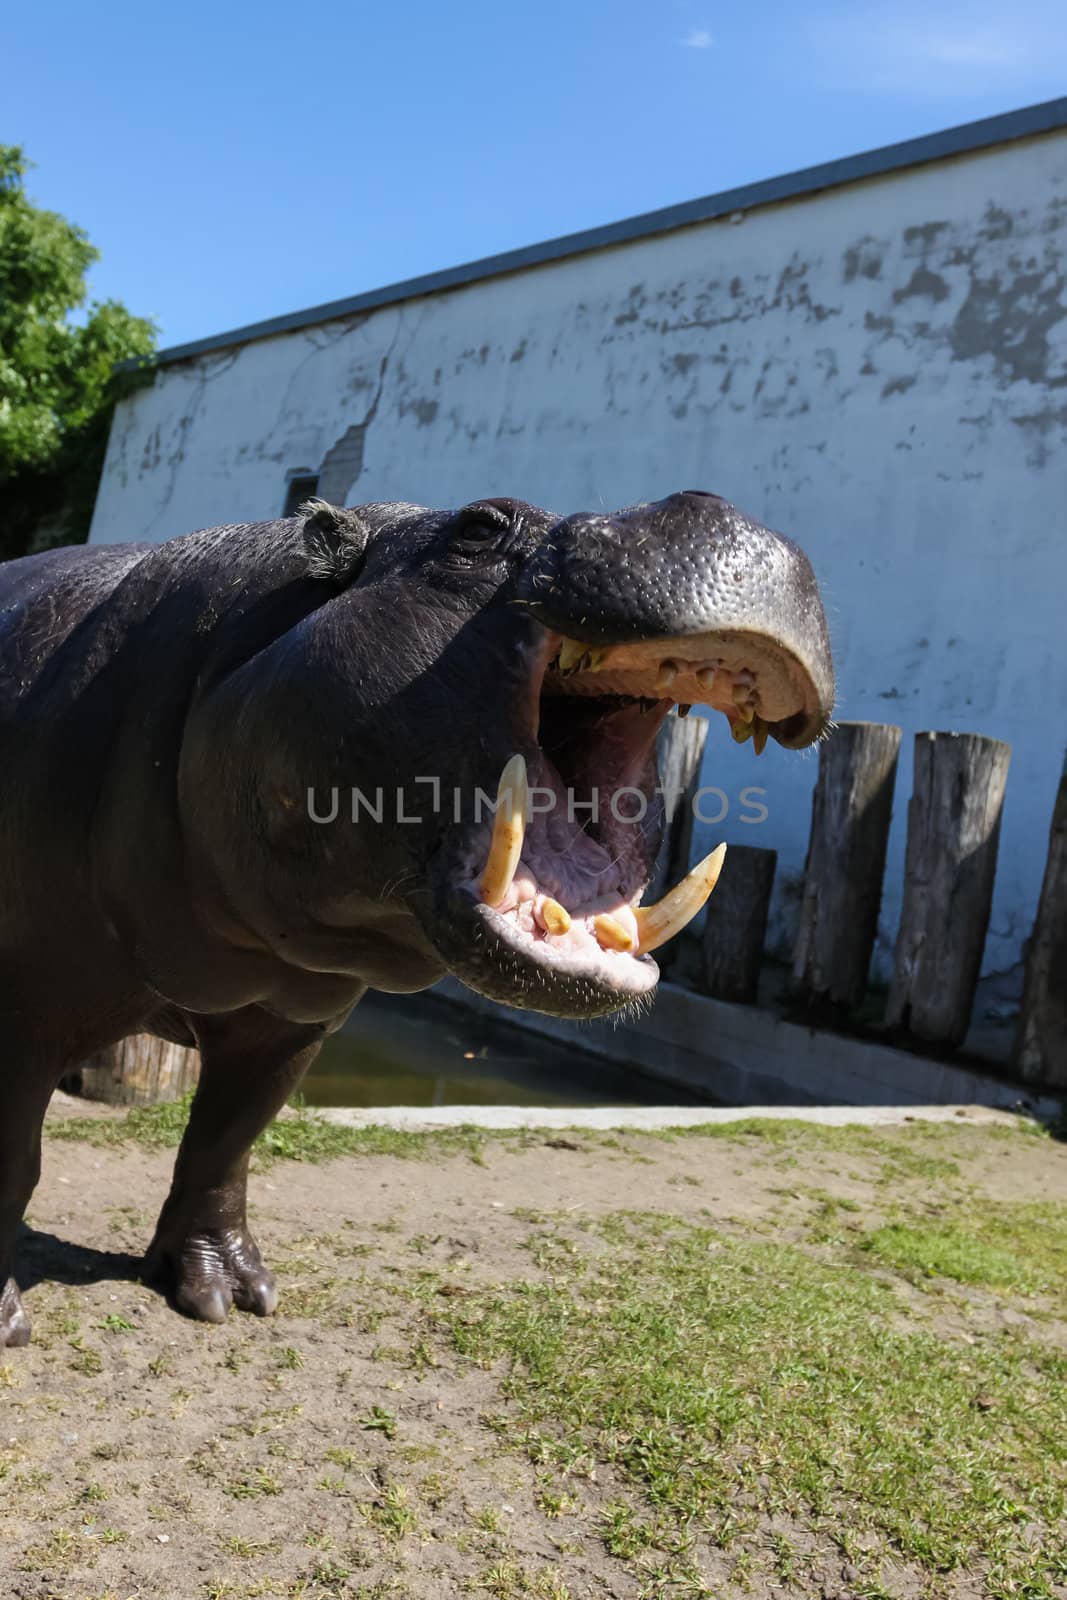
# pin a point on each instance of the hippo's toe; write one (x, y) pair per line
(14, 1318)
(208, 1272)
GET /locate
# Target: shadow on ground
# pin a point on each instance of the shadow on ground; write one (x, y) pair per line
(46, 1258)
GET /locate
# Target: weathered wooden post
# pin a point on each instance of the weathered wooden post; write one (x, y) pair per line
(850, 816)
(736, 925)
(953, 831)
(139, 1071)
(1041, 1040)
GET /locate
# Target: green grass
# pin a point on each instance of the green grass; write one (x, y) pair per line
(731, 1381)
(825, 1386)
(1021, 1247)
(923, 1151)
(298, 1137)
(944, 1252)
(927, 1150)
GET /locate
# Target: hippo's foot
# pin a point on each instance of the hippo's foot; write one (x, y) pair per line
(210, 1270)
(14, 1318)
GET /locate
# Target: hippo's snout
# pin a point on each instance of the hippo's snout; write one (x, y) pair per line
(690, 599)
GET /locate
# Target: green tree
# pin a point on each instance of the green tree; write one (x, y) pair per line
(58, 384)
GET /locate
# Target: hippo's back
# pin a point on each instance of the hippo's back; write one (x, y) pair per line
(43, 598)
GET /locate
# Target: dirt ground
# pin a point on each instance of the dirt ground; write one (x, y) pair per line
(342, 1447)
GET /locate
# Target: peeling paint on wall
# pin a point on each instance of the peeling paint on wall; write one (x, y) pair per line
(343, 462)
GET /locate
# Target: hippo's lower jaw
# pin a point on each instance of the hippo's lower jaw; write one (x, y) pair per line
(543, 909)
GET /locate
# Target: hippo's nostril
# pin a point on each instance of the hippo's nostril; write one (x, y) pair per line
(687, 496)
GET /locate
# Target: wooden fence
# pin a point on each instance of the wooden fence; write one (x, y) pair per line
(953, 832)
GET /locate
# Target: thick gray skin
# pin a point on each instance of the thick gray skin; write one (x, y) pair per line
(163, 713)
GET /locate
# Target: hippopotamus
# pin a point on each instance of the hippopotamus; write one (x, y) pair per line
(254, 771)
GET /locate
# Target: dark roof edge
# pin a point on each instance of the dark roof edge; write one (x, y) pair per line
(968, 136)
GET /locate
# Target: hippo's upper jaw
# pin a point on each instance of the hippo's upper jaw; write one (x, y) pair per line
(622, 618)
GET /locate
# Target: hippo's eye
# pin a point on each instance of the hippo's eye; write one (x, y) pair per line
(479, 527)
(476, 533)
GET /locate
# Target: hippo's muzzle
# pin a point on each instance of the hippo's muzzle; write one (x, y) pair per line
(621, 618)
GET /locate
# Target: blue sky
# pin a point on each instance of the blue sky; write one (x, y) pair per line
(233, 162)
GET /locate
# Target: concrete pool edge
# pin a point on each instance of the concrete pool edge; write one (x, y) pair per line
(418, 1119)
(745, 1055)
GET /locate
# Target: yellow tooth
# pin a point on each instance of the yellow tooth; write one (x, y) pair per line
(597, 658)
(741, 730)
(706, 678)
(556, 918)
(743, 705)
(571, 652)
(611, 934)
(656, 924)
(509, 829)
(666, 675)
(759, 735)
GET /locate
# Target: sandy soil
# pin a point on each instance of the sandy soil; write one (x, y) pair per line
(144, 1455)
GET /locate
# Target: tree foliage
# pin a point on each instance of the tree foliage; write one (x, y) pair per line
(58, 385)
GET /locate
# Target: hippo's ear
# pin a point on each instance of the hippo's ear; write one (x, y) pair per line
(335, 540)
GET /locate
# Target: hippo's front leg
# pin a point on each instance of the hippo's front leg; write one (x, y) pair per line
(24, 1098)
(202, 1250)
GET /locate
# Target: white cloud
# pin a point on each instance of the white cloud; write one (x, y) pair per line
(985, 48)
(698, 39)
(902, 47)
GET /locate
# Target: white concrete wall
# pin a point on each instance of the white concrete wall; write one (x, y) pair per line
(880, 371)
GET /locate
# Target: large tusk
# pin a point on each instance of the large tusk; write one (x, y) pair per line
(509, 830)
(656, 924)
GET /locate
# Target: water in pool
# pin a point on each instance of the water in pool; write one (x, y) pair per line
(419, 1050)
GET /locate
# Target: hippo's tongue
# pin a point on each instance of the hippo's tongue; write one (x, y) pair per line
(619, 927)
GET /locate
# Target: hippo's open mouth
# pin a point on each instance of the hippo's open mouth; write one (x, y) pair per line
(552, 883)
